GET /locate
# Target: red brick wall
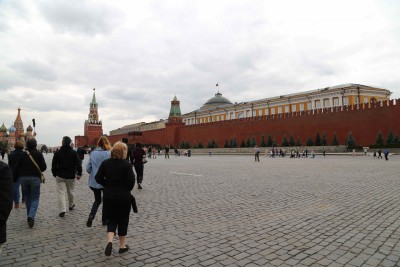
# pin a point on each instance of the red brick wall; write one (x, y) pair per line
(364, 123)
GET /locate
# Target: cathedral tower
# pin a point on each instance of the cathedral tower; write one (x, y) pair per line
(19, 126)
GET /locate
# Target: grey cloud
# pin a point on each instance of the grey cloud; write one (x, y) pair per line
(35, 70)
(82, 17)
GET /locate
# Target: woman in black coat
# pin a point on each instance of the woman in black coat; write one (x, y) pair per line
(118, 179)
(13, 159)
(6, 186)
(138, 154)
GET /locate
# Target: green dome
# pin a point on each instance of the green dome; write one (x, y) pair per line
(3, 128)
(218, 99)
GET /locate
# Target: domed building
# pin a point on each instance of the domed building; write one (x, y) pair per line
(217, 101)
(15, 132)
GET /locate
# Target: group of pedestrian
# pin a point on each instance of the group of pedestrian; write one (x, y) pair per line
(385, 153)
(111, 179)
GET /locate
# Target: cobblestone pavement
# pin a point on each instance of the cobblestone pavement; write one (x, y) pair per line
(229, 211)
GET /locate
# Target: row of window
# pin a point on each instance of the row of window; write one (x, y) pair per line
(324, 103)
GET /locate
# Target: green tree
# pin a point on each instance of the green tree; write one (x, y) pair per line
(183, 144)
(350, 140)
(274, 143)
(243, 144)
(317, 140)
(213, 144)
(335, 142)
(200, 145)
(269, 141)
(284, 141)
(396, 140)
(298, 143)
(291, 140)
(226, 145)
(379, 140)
(248, 142)
(233, 143)
(389, 139)
(263, 144)
(187, 145)
(323, 140)
(309, 142)
(253, 142)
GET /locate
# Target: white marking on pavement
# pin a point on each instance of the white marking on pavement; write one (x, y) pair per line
(181, 173)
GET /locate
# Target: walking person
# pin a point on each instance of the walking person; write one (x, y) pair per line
(379, 154)
(66, 166)
(6, 200)
(386, 153)
(101, 153)
(29, 170)
(166, 152)
(118, 179)
(13, 159)
(129, 155)
(256, 153)
(138, 154)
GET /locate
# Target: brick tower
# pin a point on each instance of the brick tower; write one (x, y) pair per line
(93, 127)
(174, 121)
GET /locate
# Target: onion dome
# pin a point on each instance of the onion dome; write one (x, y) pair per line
(3, 128)
(217, 100)
(29, 129)
(12, 129)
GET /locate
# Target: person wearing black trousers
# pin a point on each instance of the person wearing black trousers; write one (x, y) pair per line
(117, 177)
(6, 200)
(138, 154)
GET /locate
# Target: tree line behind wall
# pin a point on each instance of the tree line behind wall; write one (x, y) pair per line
(392, 140)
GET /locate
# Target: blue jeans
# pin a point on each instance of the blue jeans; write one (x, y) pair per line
(31, 189)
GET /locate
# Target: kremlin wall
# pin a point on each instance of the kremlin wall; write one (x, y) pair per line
(365, 121)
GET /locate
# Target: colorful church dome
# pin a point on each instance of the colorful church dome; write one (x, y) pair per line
(12, 129)
(3, 128)
(29, 129)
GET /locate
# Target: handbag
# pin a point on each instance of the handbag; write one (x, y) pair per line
(144, 160)
(133, 204)
(42, 178)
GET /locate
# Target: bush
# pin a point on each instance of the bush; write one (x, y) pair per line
(291, 141)
(379, 140)
(263, 144)
(350, 140)
(284, 141)
(269, 141)
(317, 140)
(335, 142)
(309, 142)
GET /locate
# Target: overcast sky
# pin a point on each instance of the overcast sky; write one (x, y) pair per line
(140, 54)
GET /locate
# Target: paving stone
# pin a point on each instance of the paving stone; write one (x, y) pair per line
(332, 212)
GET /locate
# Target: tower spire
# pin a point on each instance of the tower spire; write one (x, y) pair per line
(94, 96)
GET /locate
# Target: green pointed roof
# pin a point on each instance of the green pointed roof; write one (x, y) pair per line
(175, 108)
(3, 128)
